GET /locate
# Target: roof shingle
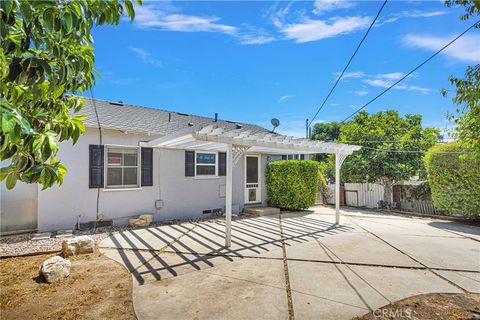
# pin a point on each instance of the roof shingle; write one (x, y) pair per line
(126, 117)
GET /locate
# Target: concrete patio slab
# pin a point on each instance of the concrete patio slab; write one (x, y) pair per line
(336, 272)
(153, 238)
(352, 248)
(329, 291)
(454, 253)
(130, 259)
(401, 226)
(245, 289)
(169, 265)
(460, 229)
(467, 280)
(208, 238)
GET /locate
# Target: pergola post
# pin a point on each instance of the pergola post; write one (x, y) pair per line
(339, 158)
(228, 197)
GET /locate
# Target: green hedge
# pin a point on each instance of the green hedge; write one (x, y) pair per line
(454, 180)
(292, 184)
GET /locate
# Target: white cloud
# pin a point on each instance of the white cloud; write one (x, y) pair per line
(313, 30)
(166, 17)
(252, 35)
(149, 16)
(409, 14)
(322, 6)
(362, 92)
(353, 74)
(255, 39)
(385, 80)
(284, 98)
(466, 48)
(422, 14)
(146, 57)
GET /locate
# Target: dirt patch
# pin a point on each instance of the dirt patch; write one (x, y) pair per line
(97, 288)
(433, 306)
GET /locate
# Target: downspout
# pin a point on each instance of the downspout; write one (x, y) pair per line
(100, 142)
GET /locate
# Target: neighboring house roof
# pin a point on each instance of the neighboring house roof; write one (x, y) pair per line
(121, 116)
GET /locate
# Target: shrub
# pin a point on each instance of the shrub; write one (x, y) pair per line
(292, 184)
(454, 179)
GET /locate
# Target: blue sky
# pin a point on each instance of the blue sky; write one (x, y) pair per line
(254, 60)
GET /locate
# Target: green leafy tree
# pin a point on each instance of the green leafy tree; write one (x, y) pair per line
(325, 132)
(392, 151)
(467, 95)
(46, 57)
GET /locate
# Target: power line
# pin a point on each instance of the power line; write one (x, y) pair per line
(412, 71)
(348, 63)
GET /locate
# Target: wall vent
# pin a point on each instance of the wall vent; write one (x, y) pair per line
(213, 212)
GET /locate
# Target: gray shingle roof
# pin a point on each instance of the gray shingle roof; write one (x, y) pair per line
(126, 117)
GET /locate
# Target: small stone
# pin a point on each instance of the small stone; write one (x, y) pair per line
(55, 269)
(146, 217)
(41, 236)
(78, 245)
(139, 222)
(64, 234)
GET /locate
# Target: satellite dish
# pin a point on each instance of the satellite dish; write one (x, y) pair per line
(275, 123)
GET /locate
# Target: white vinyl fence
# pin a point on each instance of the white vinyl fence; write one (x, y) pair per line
(368, 195)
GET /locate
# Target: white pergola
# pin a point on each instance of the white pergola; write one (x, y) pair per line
(236, 142)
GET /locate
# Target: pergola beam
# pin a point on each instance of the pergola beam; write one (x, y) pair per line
(228, 197)
(339, 158)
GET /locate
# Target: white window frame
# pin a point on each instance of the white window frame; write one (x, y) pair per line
(295, 156)
(138, 166)
(206, 164)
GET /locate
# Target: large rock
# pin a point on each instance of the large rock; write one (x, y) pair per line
(55, 269)
(78, 245)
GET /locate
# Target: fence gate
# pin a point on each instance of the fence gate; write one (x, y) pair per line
(351, 198)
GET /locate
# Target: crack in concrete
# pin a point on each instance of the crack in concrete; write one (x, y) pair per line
(291, 314)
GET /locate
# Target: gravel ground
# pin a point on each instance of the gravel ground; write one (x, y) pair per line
(23, 244)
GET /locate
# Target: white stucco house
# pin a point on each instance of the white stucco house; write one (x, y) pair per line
(134, 160)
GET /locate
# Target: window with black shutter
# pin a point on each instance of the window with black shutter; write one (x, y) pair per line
(147, 167)
(96, 166)
(189, 163)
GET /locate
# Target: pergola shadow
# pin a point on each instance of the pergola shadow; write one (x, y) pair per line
(203, 245)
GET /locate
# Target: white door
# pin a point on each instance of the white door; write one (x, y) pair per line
(252, 179)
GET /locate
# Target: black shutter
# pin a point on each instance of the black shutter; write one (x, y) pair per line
(222, 164)
(95, 166)
(302, 157)
(284, 157)
(147, 167)
(189, 163)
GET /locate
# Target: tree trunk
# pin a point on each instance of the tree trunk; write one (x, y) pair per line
(387, 193)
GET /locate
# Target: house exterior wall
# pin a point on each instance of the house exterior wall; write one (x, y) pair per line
(18, 207)
(183, 197)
